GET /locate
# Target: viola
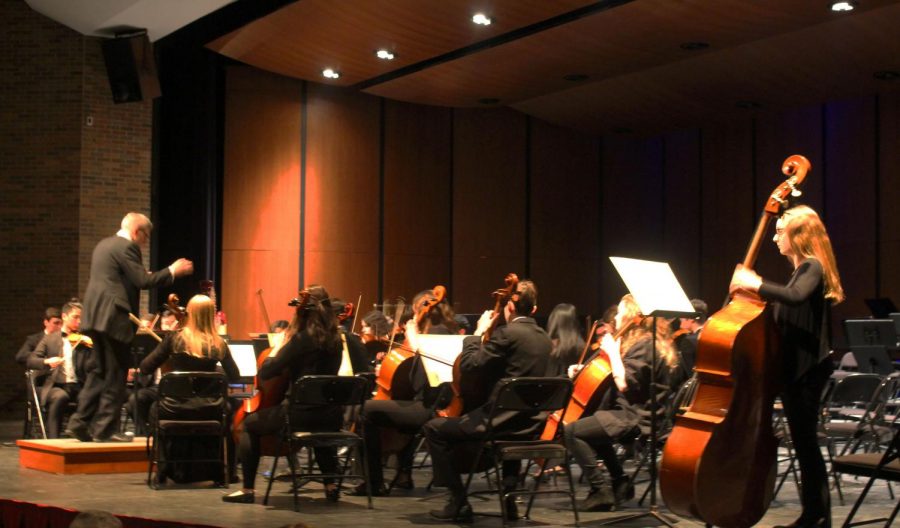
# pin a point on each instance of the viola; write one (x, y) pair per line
(393, 381)
(269, 392)
(468, 393)
(719, 463)
(590, 383)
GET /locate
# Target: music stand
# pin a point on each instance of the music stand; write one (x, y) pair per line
(141, 346)
(657, 294)
(872, 359)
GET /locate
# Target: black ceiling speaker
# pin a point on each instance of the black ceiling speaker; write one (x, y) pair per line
(131, 68)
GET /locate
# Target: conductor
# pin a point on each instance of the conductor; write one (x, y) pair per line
(113, 292)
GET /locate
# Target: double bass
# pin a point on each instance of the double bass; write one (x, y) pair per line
(719, 463)
(468, 393)
(269, 392)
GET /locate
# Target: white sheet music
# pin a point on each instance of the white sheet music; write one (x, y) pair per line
(438, 353)
(244, 357)
(653, 285)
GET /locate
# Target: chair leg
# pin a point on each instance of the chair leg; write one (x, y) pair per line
(271, 477)
(571, 490)
(858, 502)
(537, 482)
(501, 493)
(361, 450)
(292, 464)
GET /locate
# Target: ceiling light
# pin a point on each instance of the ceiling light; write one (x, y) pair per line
(887, 75)
(694, 46)
(330, 74)
(841, 7)
(481, 19)
(384, 54)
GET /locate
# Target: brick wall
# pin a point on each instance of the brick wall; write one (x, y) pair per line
(64, 184)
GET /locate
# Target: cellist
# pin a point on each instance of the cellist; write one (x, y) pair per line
(618, 416)
(311, 345)
(404, 415)
(802, 315)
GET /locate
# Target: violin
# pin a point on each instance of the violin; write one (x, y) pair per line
(269, 392)
(346, 312)
(76, 339)
(719, 462)
(467, 391)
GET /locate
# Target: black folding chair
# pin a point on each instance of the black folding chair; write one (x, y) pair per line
(191, 405)
(532, 396)
(884, 466)
(308, 393)
(34, 417)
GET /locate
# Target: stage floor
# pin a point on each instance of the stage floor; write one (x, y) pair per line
(128, 494)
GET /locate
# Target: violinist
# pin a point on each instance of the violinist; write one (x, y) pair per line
(618, 417)
(802, 314)
(562, 327)
(687, 332)
(52, 323)
(311, 345)
(374, 331)
(358, 359)
(62, 354)
(404, 415)
(520, 348)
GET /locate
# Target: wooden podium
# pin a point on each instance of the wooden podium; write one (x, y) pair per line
(69, 456)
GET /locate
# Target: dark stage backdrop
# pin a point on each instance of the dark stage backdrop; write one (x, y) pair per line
(380, 198)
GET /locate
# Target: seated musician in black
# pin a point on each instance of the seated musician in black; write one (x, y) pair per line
(63, 359)
(146, 386)
(52, 323)
(520, 348)
(405, 416)
(620, 410)
(356, 360)
(312, 345)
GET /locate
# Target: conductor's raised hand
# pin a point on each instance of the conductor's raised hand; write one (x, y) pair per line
(182, 267)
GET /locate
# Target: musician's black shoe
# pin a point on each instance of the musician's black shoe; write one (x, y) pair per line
(377, 490)
(242, 497)
(599, 499)
(821, 522)
(333, 494)
(403, 480)
(81, 433)
(455, 511)
(512, 509)
(623, 489)
(116, 437)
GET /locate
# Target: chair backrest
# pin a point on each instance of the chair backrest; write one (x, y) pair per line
(854, 390)
(192, 396)
(329, 390)
(531, 394)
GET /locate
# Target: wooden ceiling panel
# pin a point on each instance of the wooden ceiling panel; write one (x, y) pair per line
(303, 38)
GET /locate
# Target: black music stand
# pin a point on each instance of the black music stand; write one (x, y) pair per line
(658, 294)
(141, 346)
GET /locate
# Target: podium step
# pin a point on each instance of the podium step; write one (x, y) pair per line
(69, 456)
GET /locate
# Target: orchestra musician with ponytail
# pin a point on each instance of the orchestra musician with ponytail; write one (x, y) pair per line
(405, 415)
(311, 346)
(62, 354)
(802, 314)
(619, 413)
(518, 349)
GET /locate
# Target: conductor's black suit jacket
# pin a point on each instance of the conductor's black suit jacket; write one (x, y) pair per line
(113, 291)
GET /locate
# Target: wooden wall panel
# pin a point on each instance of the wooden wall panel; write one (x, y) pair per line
(683, 215)
(417, 198)
(489, 168)
(565, 218)
(632, 207)
(342, 182)
(889, 196)
(727, 202)
(261, 196)
(779, 135)
(850, 212)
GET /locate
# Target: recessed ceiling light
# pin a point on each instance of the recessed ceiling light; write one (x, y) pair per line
(747, 105)
(842, 7)
(694, 46)
(384, 54)
(489, 101)
(481, 19)
(888, 75)
(576, 77)
(330, 73)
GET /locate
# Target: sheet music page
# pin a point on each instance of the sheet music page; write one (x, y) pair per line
(653, 285)
(438, 352)
(244, 358)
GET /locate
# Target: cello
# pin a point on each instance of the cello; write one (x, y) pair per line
(467, 394)
(393, 382)
(269, 392)
(719, 463)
